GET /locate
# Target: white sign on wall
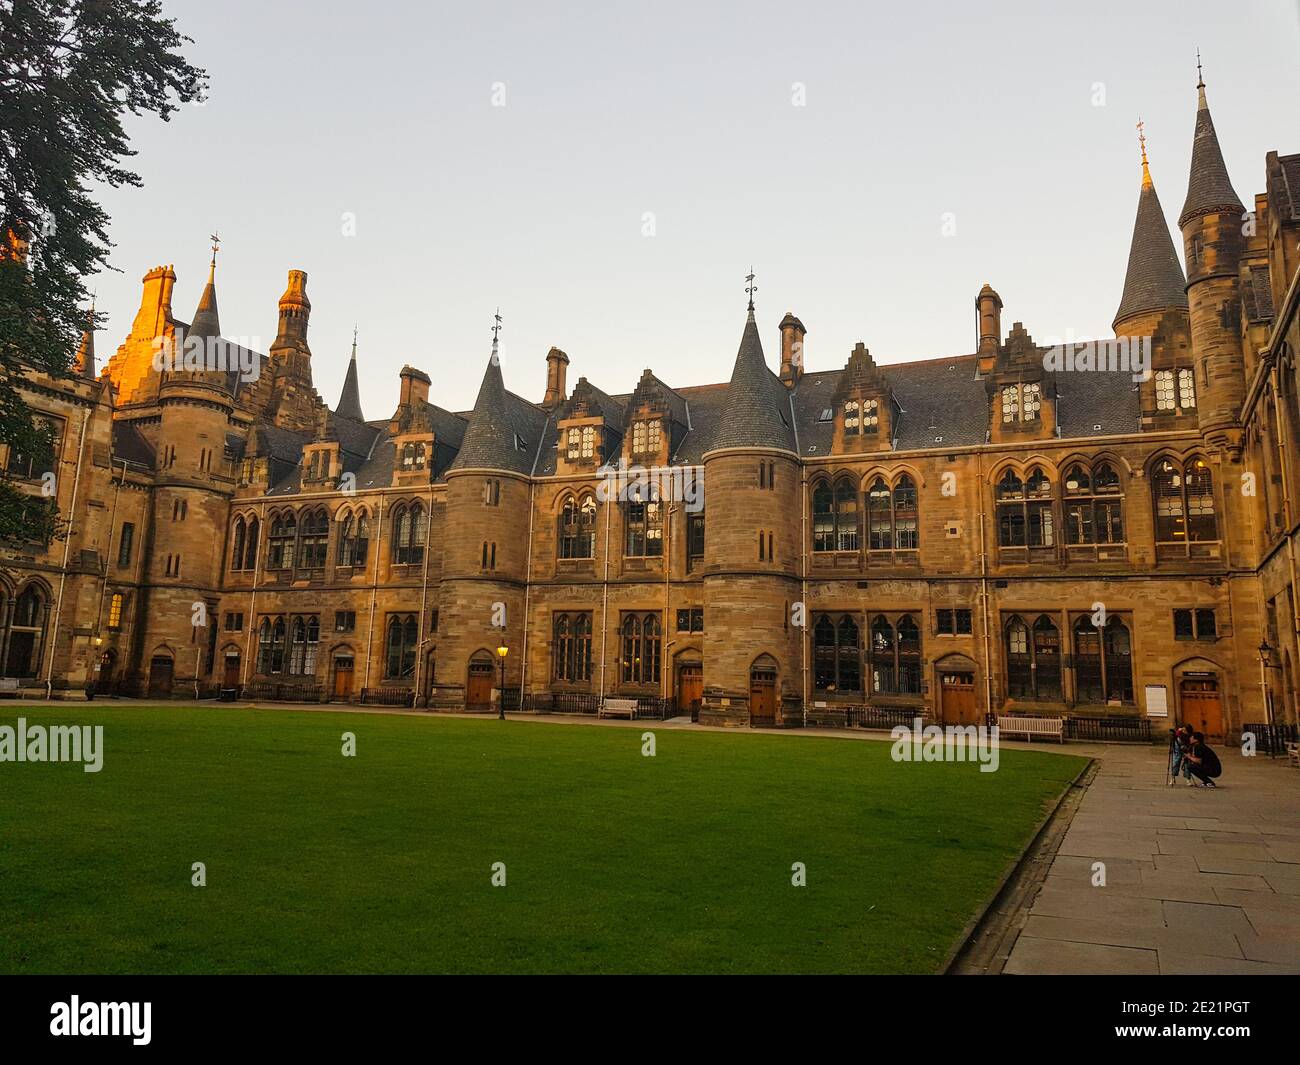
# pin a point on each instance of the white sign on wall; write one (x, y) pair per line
(1157, 700)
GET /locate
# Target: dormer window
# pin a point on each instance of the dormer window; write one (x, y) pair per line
(520, 443)
(1021, 403)
(645, 437)
(413, 456)
(581, 442)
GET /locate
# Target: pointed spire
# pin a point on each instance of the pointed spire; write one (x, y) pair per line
(83, 365)
(757, 413)
(1154, 280)
(492, 439)
(349, 405)
(1146, 168)
(1208, 186)
(206, 322)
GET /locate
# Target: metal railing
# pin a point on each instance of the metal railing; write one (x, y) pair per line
(1270, 739)
(388, 696)
(1123, 729)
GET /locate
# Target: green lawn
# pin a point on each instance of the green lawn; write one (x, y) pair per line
(382, 863)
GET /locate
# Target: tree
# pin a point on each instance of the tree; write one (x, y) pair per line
(70, 70)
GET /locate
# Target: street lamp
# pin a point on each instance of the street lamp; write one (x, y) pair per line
(502, 651)
(1265, 656)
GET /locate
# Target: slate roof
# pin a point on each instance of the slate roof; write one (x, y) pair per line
(504, 431)
(1154, 280)
(349, 405)
(1208, 187)
(130, 444)
(757, 412)
(939, 403)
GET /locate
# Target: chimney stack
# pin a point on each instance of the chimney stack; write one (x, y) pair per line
(988, 307)
(792, 334)
(557, 364)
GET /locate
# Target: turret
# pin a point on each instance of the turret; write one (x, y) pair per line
(349, 405)
(295, 311)
(1212, 219)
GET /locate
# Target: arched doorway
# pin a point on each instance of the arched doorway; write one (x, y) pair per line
(161, 670)
(102, 681)
(232, 668)
(345, 671)
(478, 683)
(958, 703)
(762, 691)
(689, 689)
(1199, 685)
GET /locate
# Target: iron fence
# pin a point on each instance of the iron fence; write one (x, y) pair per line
(1122, 729)
(1270, 739)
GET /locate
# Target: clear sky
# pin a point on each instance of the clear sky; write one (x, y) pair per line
(1017, 119)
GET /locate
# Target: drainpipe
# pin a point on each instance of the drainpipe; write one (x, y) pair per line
(984, 597)
(424, 600)
(252, 604)
(1283, 464)
(374, 586)
(604, 603)
(528, 587)
(668, 563)
(67, 552)
(803, 592)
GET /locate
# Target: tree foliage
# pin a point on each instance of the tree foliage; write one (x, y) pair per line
(70, 72)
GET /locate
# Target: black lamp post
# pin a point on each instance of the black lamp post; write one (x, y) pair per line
(502, 651)
(1265, 661)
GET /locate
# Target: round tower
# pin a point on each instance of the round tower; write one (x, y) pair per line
(1212, 222)
(485, 552)
(753, 506)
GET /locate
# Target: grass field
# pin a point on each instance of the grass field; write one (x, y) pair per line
(615, 862)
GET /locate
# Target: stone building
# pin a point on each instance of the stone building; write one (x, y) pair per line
(1017, 528)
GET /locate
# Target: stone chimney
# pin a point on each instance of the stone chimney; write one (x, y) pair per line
(557, 364)
(988, 307)
(415, 387)
(792, 334)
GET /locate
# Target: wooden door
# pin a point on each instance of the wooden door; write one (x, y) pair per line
(958, 699)
(690, 688)
(343, 672)
(478, 692)
(1201, 706)
(762, 698)
(160, 677)
(230, 677)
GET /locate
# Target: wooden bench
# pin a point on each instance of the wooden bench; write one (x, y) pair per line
(1293, 755)
(618, 708)
(1029, 727)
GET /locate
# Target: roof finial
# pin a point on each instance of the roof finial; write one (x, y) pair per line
(354, 341)
(216, 243)
(1200, 83)
(750, 288)
(1142, 140)
(496, 328)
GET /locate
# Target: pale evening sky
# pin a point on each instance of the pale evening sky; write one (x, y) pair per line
(385, 111)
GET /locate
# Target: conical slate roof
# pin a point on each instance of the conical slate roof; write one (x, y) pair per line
(1208, 187)
(1154, 281)
(757, 409)
(206, 322)
(497, 430)
(349, 405)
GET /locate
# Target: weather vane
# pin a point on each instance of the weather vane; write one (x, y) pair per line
(216, 241)
(496, 328)
(750, 287)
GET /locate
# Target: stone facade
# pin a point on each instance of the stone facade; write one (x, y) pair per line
(988, 532)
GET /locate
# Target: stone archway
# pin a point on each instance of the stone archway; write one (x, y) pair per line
(764, 672)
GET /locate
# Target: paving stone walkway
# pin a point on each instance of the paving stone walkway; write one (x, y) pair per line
(1198, 881)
